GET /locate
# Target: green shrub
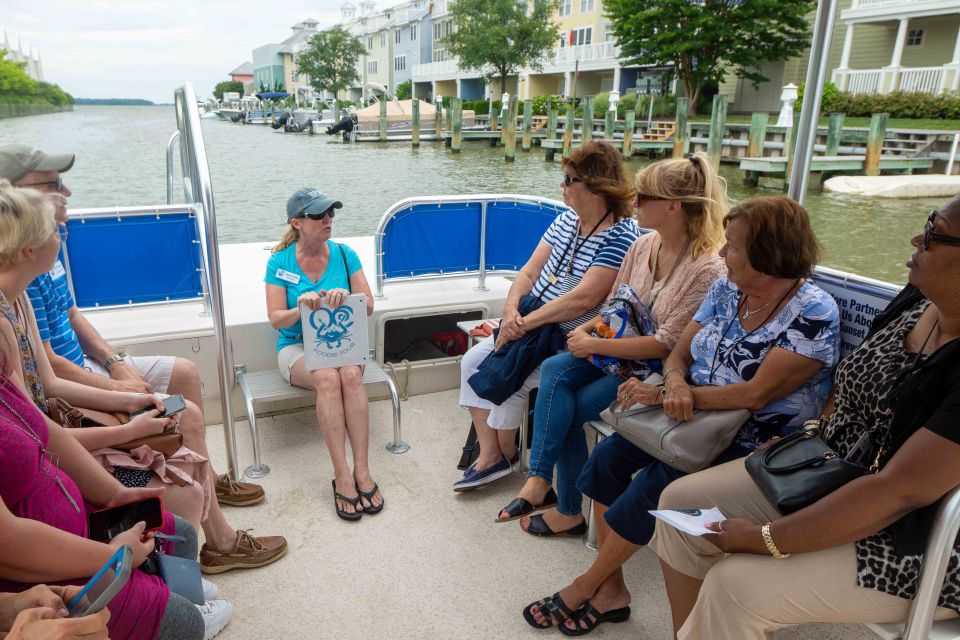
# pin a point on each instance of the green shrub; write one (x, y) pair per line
(830, 93)
(900, 104)
(542, 103)
(404, 90)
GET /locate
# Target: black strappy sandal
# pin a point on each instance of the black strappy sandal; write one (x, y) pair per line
(553, 608)
(588, 619)
(539, 527)
(346, 515)
(520, 507)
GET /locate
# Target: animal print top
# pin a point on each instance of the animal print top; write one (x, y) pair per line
(860, 383)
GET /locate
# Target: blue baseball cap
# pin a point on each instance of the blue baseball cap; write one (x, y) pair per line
(310, 200)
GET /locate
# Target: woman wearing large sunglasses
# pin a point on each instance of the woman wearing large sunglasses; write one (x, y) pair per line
(855, 555)
(308, 269)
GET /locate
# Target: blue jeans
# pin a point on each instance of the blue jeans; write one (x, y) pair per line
(572, 391)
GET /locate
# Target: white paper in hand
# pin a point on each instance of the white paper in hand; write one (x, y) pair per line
(690, 520)
(335, 337)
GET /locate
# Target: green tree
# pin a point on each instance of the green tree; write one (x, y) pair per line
(227, 86)
(501, 37)
(330, 60)
(702, 40)
(16, 87)
(404, 90)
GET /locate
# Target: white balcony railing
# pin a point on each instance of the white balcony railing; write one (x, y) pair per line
(864, 81)
(431, 70)
(857, 4)
(585, 53)
(921, 79)
(590, 57)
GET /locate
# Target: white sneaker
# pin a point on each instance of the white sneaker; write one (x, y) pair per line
(210, 590)
(216, 614)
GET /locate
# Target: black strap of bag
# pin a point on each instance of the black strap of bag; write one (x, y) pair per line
(346, 269)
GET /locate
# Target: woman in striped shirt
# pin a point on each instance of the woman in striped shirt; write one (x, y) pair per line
(570, 271)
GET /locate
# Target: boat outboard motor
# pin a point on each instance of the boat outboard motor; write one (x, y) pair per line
(346, 125)
(281, 120)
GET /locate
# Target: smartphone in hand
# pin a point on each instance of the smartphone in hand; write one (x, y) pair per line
(106, 524)
(102, 587)
(172, 405)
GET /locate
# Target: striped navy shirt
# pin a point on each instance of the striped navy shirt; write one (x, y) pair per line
(51, 300)
(603, 249)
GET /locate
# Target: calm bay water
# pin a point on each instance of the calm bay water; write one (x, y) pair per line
(121, 161)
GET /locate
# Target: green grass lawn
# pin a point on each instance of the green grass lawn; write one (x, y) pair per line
(892, 123)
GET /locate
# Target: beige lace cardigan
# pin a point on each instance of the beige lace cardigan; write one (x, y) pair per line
(682, 295)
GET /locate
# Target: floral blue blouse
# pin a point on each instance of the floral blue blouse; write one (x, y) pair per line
(808, 325)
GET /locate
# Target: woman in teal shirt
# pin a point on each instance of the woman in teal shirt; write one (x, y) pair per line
(307, 268)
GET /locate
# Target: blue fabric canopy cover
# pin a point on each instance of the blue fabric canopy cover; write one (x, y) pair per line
(134, 259)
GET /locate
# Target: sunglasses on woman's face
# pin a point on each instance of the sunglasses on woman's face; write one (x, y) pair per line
(569, 180)
(643, 197)
(929, 235)
(318, 216)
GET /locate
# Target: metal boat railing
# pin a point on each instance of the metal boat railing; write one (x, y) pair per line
(198, 192)
(412, 205)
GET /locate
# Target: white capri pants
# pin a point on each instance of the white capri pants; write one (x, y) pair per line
(503, 416)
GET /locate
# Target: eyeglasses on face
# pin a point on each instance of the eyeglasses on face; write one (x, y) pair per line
(318, 216)
(53, 185)
(646, 197)
(929, 235)
(569, 180)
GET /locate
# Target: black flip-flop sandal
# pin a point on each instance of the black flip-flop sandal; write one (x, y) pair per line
(551, 607)
(539, 527)
(520, 507)
(588, 619)
(346, 515)
(369, 496)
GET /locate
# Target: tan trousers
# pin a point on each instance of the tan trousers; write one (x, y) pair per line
(750, 596)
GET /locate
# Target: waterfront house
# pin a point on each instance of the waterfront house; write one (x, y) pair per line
(274, 65)
(412, 40)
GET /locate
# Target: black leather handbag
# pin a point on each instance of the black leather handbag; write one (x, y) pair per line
(801, 468)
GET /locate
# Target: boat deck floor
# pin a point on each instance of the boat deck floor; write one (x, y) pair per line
(433, 564)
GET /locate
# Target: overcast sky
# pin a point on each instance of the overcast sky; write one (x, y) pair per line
(147, 48)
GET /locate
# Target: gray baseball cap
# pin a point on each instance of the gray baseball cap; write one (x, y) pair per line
(310, 200)
(17, 160)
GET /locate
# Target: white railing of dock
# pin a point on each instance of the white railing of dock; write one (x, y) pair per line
(864, 81)
(921, 79)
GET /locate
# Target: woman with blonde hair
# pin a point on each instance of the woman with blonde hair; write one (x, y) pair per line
(683, 202)
(308, 269)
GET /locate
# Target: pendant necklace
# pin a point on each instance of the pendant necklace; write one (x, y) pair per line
(24, 426)
(747, 312)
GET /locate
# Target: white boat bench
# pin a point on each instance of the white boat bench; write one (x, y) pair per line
(258, 387)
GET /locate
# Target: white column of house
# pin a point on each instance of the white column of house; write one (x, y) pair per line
(955, 65)
(616, 78)
(567, 82)
(891, 78)
(840, 76)
(459, 87)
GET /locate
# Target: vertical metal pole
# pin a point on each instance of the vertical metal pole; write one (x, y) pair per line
(193, 151)
(482, 283)
(172, 141)
(812, 94)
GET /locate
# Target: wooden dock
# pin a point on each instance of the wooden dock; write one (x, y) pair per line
(754, 168)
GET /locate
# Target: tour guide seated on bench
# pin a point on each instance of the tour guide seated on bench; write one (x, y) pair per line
(74, 347)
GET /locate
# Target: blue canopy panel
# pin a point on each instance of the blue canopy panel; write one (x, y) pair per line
(134, 259)
(430, 238)
(513, 231)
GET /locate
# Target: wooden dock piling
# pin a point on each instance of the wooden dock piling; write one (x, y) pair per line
(383, 119)
(758, 133)
(609, 124)
(527, 125)
(568, 125)
(681, 133)
(415, 124)
(833, 134)
(586, 129)
(510, 131)
(438, 119)
(628, 125)
(718, 126)
(456, 124)
(878, 129)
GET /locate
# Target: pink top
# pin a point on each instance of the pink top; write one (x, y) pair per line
(136, 611)
(680, 298)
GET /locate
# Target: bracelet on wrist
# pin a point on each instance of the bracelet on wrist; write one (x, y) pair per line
(771, 546)
(114, 359)
(675, 369)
